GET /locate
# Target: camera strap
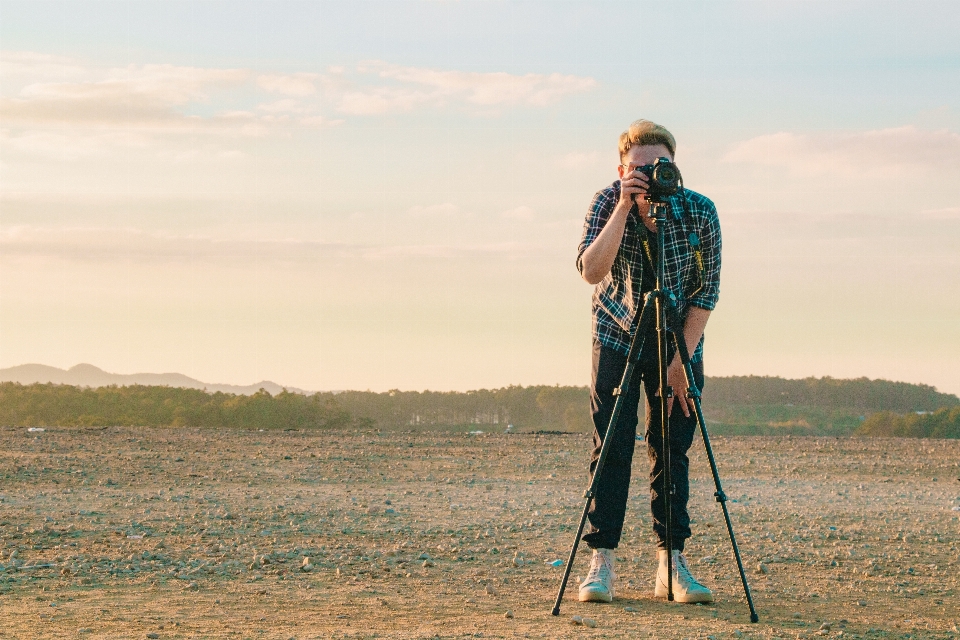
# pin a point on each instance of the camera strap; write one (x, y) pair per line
(693, 240)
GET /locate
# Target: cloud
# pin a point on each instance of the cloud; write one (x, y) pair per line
(579, 160)
(71, 146)
(903, 153)
(112, 245)
(135, 96)
(445, 210)
(287, 105)
(951, 214)
(297, 84)
(414, 87)
(16, 65)
(519, 213)
(320, 121)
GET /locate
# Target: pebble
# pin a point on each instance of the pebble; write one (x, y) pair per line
(508, 614)
(762, 568)
(590, 622)
(491, 590)
(153, 635)
(631, 609)
(576, 620)
(306, 567)
(429, 563)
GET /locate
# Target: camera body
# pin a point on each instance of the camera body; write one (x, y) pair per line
(664, 177)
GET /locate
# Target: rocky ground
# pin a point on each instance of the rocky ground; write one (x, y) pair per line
(177, 533)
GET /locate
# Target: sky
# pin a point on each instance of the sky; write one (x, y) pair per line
(380, 195)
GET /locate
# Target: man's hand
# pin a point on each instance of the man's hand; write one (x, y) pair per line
(677, 380)
(633, 190)
(692, 332)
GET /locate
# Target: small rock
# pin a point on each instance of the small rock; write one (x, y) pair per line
(555, 563)
(429, 563)
(193, 586)
(423, 556)
(762, 568)
(508, 614)
(491, 590)
(631, 609)
(862, 603)
(153, 635)
(590, 622)
(576, 620)
(825, 626)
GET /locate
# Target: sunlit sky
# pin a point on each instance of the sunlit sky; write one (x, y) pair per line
(376, 195)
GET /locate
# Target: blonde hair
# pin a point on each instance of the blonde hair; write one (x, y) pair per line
(643, 133)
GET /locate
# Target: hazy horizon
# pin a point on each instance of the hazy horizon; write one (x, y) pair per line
(378, 195)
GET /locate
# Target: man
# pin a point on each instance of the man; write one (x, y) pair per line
(617, 254)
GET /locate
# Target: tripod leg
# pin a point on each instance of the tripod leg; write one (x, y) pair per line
(694, 392)
(636, 348)
(666, 397)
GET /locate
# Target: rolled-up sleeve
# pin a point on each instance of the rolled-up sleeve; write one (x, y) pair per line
(597, 216)
(710, 246)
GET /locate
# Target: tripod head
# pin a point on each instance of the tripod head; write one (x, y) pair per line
(657, 211)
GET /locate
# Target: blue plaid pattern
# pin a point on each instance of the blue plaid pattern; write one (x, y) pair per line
(618, 298)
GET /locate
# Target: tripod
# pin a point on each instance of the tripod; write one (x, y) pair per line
(659, 306)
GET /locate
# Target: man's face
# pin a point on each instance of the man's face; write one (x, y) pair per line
(639, 156)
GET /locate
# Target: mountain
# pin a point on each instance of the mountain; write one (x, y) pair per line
(87, 375)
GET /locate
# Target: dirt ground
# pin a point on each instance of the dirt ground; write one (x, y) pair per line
(175, 533)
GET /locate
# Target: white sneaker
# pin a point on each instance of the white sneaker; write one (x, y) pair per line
(686, 588)
(598, 587)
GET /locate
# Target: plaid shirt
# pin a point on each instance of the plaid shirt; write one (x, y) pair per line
(618, 298)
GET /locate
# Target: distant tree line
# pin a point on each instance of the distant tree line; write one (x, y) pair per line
(743, 405)
(943, 423)
(860, 394)
(538, 407)
(149, 406)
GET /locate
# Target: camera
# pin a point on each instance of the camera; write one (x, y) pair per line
(664, 177)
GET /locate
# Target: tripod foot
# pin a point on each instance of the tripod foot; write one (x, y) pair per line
(556, 611)
(753, 618)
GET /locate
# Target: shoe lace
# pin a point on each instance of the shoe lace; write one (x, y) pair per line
(683, 571)
(599, 569)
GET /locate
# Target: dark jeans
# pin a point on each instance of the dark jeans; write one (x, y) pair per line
(609, 504)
